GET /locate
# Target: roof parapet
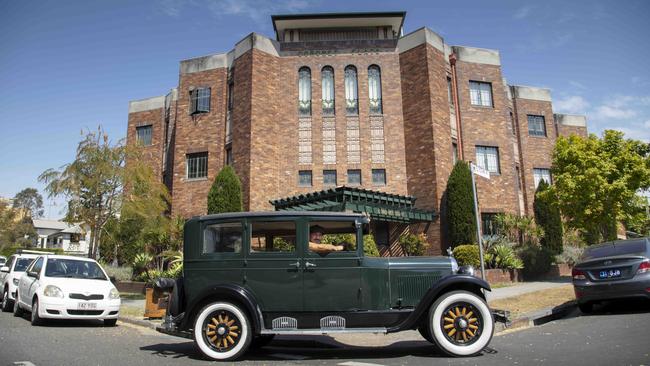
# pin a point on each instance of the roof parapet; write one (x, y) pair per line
(418, 37)
(477, 55)
(531, 92)
(574, 120)
(147, 104)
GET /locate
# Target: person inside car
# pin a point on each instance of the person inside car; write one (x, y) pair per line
(315, 245)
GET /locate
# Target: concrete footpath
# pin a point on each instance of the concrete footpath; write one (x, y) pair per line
(524, 288)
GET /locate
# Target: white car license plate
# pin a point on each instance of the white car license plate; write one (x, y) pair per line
(86, 306)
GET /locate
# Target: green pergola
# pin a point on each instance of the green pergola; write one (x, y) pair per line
(378, 205)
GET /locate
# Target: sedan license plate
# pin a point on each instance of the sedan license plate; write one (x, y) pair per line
(86, 306)
(612, 273)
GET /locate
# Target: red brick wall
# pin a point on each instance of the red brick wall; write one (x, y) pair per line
(152, 154)
(564, 130)
(198, 133)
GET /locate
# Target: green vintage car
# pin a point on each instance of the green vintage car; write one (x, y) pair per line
(249, 276)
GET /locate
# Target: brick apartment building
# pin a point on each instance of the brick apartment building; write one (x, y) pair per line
(349, 100)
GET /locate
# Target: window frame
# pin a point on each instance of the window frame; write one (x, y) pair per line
(328, 105)
(196, 96)
(187, 165)
(375, 106)
(479, 93)
(220, 255)
(376, 183)
(360, 177)
(304, 101)
(249, 238)
(537, 181)
(308, 254)
(351, 89)
(139, 140)
(311, 178)
(327, 171)
(485, 164)
(536, 119)
(493, 222)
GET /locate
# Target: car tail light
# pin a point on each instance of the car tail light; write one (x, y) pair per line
(578, 274)
(643, 267)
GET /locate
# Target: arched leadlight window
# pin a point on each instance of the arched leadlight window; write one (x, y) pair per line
(374, 89)
(304, 91)
(351, 99)
(327, 75)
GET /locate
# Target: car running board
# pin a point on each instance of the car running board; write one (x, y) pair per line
(322, 331)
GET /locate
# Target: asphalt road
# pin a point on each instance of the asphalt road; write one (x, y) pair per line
(617, 334)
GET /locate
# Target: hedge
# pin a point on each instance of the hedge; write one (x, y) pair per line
(11, 250)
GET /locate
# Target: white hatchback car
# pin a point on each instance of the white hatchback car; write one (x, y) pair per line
(10, 273)
(64, 287)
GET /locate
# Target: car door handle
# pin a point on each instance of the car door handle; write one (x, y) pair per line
(309, 265)
(296, 265)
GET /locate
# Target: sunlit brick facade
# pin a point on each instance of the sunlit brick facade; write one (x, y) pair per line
(348, 99)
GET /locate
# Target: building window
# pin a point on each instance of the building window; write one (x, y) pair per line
(327, 75)
(454, 151)
(231, 90)
(229, 155)
(379, 177)
(540, 174)
(197, 165)
(489, 224)
(304, 91)
(450, 94)
(480, 93)
(200, 100)
(512, 123)
(518, 177)
(329, 177)
(487, 157)
(143, 135)
(374, 89)
(304, 178)
(351, 95)
(536, 126)
(354, 177)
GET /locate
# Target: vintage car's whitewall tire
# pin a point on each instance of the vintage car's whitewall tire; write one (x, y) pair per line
(470, 323)
(222, 322)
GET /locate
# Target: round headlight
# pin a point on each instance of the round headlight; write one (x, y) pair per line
(52, 291)
(114, 294)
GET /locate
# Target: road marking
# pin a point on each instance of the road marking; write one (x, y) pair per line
(353, 363)
(23, 363)
(288, 357)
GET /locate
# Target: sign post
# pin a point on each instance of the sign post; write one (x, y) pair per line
(477, 170)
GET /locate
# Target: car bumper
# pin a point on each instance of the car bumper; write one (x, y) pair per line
(638, 286)
(68, 309)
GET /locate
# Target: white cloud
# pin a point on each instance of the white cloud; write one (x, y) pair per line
(577, 85)
(572, 104)
(612, 112)
(523, 12)
(647, 124)
(257, 10)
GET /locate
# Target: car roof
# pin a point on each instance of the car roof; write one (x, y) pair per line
(637, 246)
(26, 255)
(246, 214)
(59, 256)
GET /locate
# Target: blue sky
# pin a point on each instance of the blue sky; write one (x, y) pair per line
(66, 66)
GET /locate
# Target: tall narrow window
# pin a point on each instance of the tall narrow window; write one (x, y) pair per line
(197, 165)
(304, 91)
(327, 75)
(374, 89)
(454, 151)
(450, 94)
(487, 157)
(480, 93)
(231, 89)
(229, 155)
(489, 223)
(351, 98)
(200, 100)
(536, 126)
(143, 135)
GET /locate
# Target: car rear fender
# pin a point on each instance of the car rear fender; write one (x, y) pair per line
(228, 293)
(449, 283)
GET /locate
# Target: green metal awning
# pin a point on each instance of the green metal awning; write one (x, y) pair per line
(378, 205)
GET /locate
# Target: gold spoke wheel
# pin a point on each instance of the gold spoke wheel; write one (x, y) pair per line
(222, 330)
(461, 324)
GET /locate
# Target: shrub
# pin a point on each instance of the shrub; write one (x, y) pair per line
(467, 255)
(502, 256)
(120, 273)
(413, 245)
(570, 255)
(12, 250)
(461, 219)
(547, 216)
(369, 244)
(537, 260)
(225, 194)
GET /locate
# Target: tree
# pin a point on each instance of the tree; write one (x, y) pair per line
(92, 184)
(461, 218)
(548, 217)
(225, 194)
(596, 180)
(15, 231)
(30, 202)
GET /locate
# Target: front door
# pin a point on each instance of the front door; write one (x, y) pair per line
(331, 276)
(273, 270)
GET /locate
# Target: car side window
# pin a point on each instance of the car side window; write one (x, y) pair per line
(332, 236)
(273, 236)
(224, 237)
(10, 262)
(38, 265)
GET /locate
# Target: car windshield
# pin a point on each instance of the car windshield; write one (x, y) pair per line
(71, 268)
(22, 264)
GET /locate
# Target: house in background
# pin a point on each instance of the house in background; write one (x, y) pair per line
(73, 239)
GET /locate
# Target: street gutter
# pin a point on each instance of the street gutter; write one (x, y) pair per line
(537, 317)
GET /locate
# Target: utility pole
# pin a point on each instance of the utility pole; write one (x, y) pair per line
(485, 174)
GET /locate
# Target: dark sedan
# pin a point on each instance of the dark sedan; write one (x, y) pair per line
(612, 270)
